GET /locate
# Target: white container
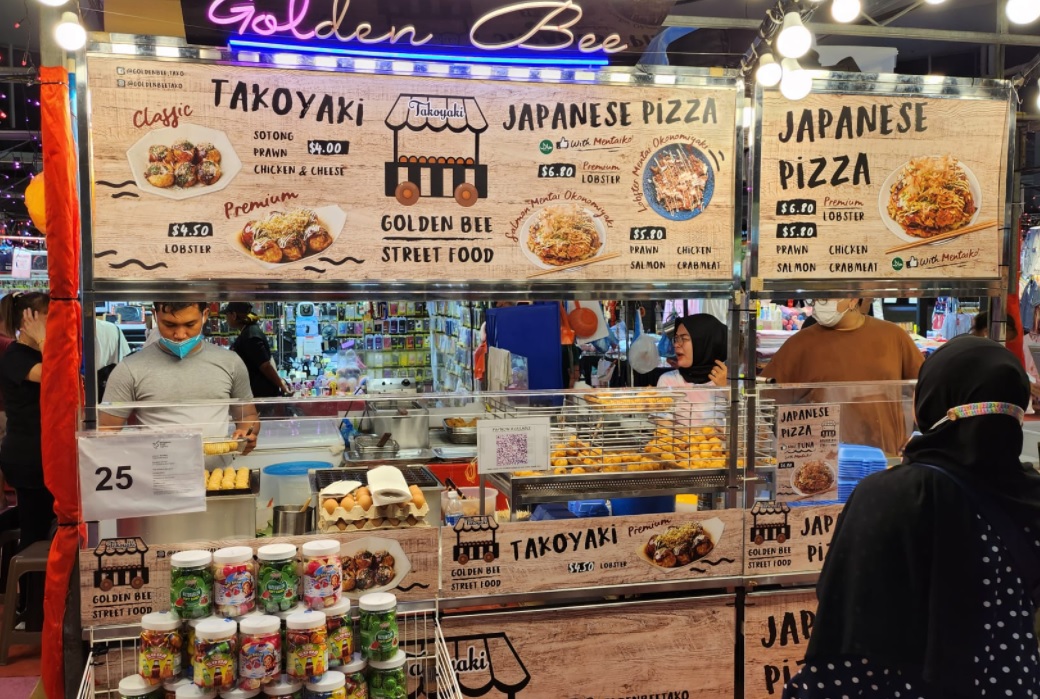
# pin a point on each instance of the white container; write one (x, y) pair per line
(193, 692)
(329, 683)
(136, 686)
(284, 687)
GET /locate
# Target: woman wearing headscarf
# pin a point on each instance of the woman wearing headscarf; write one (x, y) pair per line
(700, 353)
(924, 592)
(254, 349)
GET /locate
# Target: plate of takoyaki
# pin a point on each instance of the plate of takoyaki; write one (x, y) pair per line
(373, 564)
(280, 237)
(182, 162)
(682, 544)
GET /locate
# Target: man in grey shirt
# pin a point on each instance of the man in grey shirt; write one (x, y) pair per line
(182, 369)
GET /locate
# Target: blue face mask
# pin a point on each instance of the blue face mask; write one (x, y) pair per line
(183, 348)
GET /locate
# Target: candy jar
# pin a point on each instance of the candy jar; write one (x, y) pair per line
(322, 574)
(191, 584)
(341, 633)
(259, 650)
(191, 691)
(285, 688)
(234, 586)
(387, 678)
(137, 687)
(159, 657)
(306, 645)
(356, 686)
(240, 693)
(171, 686)
(331, 686)
(378, 626)
(278, 578)
(216, 654)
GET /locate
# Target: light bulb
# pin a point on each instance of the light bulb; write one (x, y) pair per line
(769, 71)
(794, 40)
(935, 2)
(69, 33)
(1022, 11)
(1038, 96)
(53, 3)
(796, 83)
(846, 10)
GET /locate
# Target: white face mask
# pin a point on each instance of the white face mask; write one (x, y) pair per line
(827, 314)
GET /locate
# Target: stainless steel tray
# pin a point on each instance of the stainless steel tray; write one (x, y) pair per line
(455, 453)
(403, 456)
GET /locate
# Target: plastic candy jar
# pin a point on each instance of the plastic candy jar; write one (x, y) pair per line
(330, 686)
(190, 691)
(387, 679)
(191, 584)
(341, 633)
(356, 685)
(239, 693)
(322, 574)
(284, 688)
(259, 650)
(137, 687)
(216, 654)
(159, 657)
(278, 578)
(306, 646)
(171, 686)
(378, 627)
(234, 583)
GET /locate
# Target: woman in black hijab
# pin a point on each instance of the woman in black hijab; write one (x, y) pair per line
(700, 353)
(920, 595)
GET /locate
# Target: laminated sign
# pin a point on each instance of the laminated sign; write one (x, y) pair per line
(141, 474)
(520, 444)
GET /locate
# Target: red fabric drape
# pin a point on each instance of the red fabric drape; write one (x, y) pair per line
(60, 397)
(1014, 309)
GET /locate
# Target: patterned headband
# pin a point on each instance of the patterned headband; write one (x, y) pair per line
(977, 409)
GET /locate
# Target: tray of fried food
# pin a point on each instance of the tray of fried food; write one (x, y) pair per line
(688, 447)
(642, 402)
(230, 481)
(221, 447)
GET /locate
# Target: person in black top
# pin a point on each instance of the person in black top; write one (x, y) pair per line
(252, 346)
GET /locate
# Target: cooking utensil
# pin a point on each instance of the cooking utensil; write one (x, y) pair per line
(943, 236)
(583, 320)
(383, 440)
(288, 520)
(306, 504)
(573, 265)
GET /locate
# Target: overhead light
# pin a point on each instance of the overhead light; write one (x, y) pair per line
(769, 71)
(794, 40)
(1038, 95)
(796, 83)
(1022, 11)
(69, 33)
(53, 3)
(846, 10)
(935, 2)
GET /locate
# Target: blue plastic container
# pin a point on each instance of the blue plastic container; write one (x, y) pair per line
(642, 506)
(589, 508)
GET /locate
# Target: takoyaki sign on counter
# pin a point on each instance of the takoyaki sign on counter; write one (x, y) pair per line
(784, 539)
(482, 557)
(872, 186)
(229, 172)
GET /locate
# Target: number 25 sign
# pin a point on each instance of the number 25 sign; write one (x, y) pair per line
(141, 473)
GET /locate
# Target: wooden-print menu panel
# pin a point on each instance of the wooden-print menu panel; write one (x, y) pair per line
(783, 539)
(777, 628)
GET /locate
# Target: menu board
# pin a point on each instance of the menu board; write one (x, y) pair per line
(784, 539)
(482, 557)
(230, 172)
(869, 186)
(777, 628)
(675, 648)
(807, 438)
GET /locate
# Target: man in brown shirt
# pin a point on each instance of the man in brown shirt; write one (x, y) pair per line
(846, 345)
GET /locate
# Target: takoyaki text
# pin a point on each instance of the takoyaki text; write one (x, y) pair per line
(286, 237)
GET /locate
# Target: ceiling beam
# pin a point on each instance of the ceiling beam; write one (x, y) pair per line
(864, 30)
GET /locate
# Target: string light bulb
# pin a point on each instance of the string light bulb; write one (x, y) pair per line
(53, 3)
(935, 2)
(794, 40)
(846, 11)
(1022, 11)
(769, 71)
(796, 83)
(69, 33)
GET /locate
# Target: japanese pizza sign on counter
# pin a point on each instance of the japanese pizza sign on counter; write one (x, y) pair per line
(873, 186)
(261, 173)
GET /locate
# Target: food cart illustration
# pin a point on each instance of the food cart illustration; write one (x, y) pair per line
(769, 522)
(121, 563)
(411, 175)
(475, 539)
(830, 429)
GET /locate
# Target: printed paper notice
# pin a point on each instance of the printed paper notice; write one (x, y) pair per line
(520, 444)
(807, 447)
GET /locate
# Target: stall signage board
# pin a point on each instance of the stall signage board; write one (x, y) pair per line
(777, 628)
(848, 180)
(141, 474)
(482, 557)
(263, 174)
(678, 648)
(513, 444)
(123, 579)
(781, 539)
(807, 439)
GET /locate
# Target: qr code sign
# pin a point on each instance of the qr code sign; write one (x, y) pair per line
(511, 450)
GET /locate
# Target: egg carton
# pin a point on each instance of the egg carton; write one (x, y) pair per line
(376, 517)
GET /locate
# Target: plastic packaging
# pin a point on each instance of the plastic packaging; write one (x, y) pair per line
(191, 584)
(278, 578)
(216, 654)
(306, 646)
(234, 581)
(388, 679)
(341, 633)
(378, 627)
(159, 655)
(260, 651)
(452, 509)
(137, 687)
(331, 686)
(356, 686)
(285, 687)
(322, 574)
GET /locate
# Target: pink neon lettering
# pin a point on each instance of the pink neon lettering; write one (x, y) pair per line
(265, 24)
